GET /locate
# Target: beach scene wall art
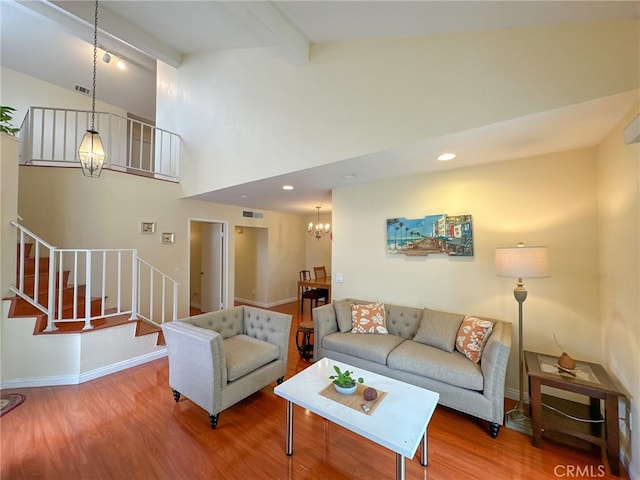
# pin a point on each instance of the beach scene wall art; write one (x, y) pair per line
(433, 234)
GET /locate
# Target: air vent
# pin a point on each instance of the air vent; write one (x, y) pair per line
(81, 89)
(249, 214)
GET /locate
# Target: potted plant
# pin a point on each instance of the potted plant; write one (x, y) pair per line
(6, 115)
(343, 382)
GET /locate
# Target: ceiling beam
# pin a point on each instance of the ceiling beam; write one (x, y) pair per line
(76, 17)
(266, 21)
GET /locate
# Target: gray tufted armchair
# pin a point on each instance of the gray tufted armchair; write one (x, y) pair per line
(217, 359)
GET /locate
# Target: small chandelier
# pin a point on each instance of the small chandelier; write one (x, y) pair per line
(318, 230)
(91, 151)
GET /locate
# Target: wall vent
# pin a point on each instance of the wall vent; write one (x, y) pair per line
(81, 89)
(249, 214)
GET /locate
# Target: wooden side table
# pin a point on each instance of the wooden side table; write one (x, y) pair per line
(589, 379)
(303, 340)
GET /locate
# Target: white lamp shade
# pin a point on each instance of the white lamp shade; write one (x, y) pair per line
(91, 153)
(522, 262)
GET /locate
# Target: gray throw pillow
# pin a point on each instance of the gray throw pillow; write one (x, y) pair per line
(439, 329)
(343, 315)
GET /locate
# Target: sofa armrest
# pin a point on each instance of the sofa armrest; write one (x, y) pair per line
(196, 356)
(494, 363)
(324, 323)
(269, 326)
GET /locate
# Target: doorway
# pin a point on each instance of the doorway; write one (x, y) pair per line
(208, 271)
(251, 284)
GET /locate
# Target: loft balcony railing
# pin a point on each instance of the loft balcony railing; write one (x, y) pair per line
(102, 282)
(51, 136)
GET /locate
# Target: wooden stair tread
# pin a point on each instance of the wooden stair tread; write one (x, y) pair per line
(21, 308)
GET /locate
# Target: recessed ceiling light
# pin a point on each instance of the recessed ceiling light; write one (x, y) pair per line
(349, 176)
(443, 157)
(287, 187)
(244, 195)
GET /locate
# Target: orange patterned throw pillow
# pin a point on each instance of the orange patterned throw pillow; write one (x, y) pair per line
(368, 318)
(472, 337)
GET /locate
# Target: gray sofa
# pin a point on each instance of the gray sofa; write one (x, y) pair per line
(419, 349)
(217, 359)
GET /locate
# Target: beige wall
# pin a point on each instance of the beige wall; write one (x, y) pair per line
(22, 91)
(548, 200)
(248, 241)
(80, 212)
(8, 210)
(619, 254)
(194, 264)
(267, 117)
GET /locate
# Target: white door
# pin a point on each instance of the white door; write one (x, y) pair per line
(212, 267)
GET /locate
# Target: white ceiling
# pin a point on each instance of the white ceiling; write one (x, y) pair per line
(50, 41)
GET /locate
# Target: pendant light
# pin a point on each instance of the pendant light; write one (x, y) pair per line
(91, 151)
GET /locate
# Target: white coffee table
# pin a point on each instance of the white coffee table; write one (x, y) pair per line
(399, 422)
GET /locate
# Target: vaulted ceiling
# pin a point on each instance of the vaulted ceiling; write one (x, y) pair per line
(52, 41)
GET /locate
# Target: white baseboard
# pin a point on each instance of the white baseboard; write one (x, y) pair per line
(264, 304)
(86, 376)
(131, 362)
(514, 394)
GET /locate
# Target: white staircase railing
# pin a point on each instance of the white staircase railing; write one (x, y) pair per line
(52, 136)
(102, 283)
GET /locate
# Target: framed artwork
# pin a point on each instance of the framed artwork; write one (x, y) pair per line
(433, 234)
(168, 237)
(147, 227)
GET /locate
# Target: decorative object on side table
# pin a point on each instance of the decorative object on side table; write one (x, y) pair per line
(343, 382)
(565, 362)
(521, 262)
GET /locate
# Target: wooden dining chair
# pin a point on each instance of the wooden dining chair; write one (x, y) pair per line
(312, 294)
(320, 273)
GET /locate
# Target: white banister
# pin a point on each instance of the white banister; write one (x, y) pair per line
(105, 275)
(135, 285)
(87, 291)
(57, 137)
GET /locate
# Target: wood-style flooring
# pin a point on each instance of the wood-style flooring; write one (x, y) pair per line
(127, 426)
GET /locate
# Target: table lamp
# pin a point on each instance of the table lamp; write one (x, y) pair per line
(521, 262)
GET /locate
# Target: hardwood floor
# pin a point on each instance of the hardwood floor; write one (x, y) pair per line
(127, 426)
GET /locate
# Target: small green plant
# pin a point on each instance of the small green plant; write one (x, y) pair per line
(343, 379)
(6, 115)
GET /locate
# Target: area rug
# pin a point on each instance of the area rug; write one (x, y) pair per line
(10, 401)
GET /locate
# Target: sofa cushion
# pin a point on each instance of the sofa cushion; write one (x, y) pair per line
(343, 312)
(368, 318)
(343, 315)
(472, 337)
(448, 367)
(244, 354)
(374, 348)
(438, 329)
(403, 321)
(227, 322)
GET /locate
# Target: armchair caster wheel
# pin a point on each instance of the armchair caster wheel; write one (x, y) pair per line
(494, 429)
(213, 419)
(176, 395)
(280, 380)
